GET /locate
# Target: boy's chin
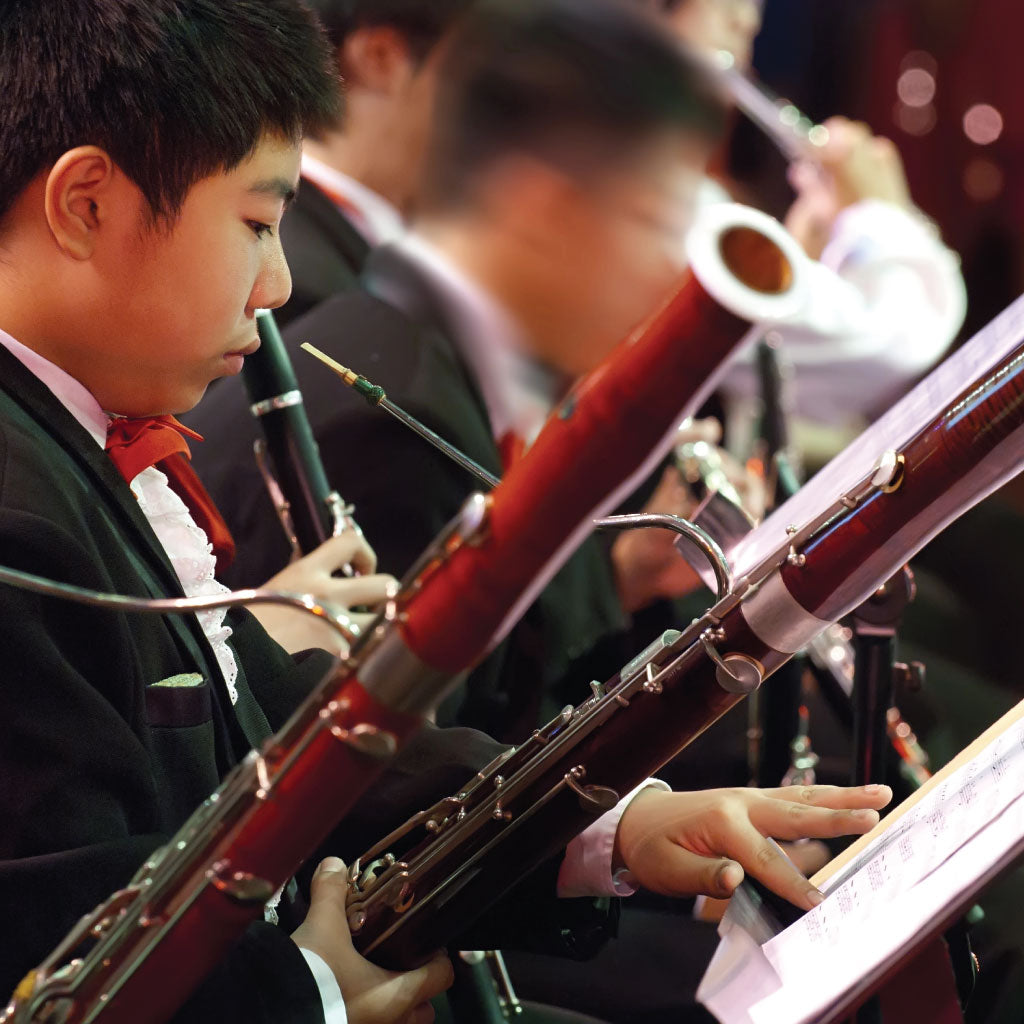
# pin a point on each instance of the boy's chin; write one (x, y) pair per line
(190, 400)
(175, 403)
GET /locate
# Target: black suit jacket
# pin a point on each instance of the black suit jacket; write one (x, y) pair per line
(326, 253)
(99, 765)
(398, 331)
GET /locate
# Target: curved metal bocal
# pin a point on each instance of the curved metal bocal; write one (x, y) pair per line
(348, 630)
(701, 539)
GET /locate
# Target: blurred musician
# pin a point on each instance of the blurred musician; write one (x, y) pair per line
(854, 212)
(360, 177)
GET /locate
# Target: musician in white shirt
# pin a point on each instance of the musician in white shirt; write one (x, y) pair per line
(855, 215)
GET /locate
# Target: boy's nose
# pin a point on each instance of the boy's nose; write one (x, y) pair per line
(274, 284)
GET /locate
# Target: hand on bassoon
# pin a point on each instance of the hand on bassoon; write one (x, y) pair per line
(372, 995)
(314, 574)
(685, 844)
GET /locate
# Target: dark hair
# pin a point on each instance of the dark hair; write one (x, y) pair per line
(173, 90)
(421, 22)
(578, 83)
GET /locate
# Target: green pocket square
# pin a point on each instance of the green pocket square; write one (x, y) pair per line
(185, 679)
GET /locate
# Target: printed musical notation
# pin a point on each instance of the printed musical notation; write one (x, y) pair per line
(878, 905)
(901, 858)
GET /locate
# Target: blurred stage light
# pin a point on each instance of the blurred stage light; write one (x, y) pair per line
(915, 120)
(983, 124)
(983, 180)
(916, 87)
(920, 60)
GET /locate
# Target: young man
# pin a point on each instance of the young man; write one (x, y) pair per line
(360, 174)
(142, 187)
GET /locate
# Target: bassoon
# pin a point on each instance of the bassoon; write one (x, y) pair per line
(193, 898)
(427, 881)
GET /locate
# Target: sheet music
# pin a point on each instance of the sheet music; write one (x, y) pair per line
(886, 895)
(898, 425)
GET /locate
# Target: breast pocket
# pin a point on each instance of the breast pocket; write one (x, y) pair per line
(182, 741)
(179, 701)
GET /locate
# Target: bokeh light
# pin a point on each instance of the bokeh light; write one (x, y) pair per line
(916, 87)
(983, 124)
(920, 59)
(915, 120)
(983, 180)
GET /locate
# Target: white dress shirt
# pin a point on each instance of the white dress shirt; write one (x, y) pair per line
(519, 394)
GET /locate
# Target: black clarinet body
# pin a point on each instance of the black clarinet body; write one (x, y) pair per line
(310, 511)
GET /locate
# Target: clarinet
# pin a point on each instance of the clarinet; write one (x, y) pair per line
(194, 897)
(431, 878)
(309, 510)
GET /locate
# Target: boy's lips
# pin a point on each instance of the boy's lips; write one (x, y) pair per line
(247, 351)
(234, 361)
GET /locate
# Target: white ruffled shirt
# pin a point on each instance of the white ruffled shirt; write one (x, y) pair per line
(193, 559)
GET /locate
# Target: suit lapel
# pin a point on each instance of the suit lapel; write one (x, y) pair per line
(392, 278)
(145, 551)
(321, 210)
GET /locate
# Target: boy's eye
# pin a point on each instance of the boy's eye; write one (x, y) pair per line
(259, 229)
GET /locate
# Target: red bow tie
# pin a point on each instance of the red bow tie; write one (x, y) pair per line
(136, 444)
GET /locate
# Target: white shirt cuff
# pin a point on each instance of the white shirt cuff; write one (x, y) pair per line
(330, 993)
(587, 867)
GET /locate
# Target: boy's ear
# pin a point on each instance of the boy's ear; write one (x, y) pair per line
(77, 194)
(377, 58)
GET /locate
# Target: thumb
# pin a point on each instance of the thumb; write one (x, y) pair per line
(727, 877)
(329, 866)
(677, 871)
(715, 876)
(328, 894)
